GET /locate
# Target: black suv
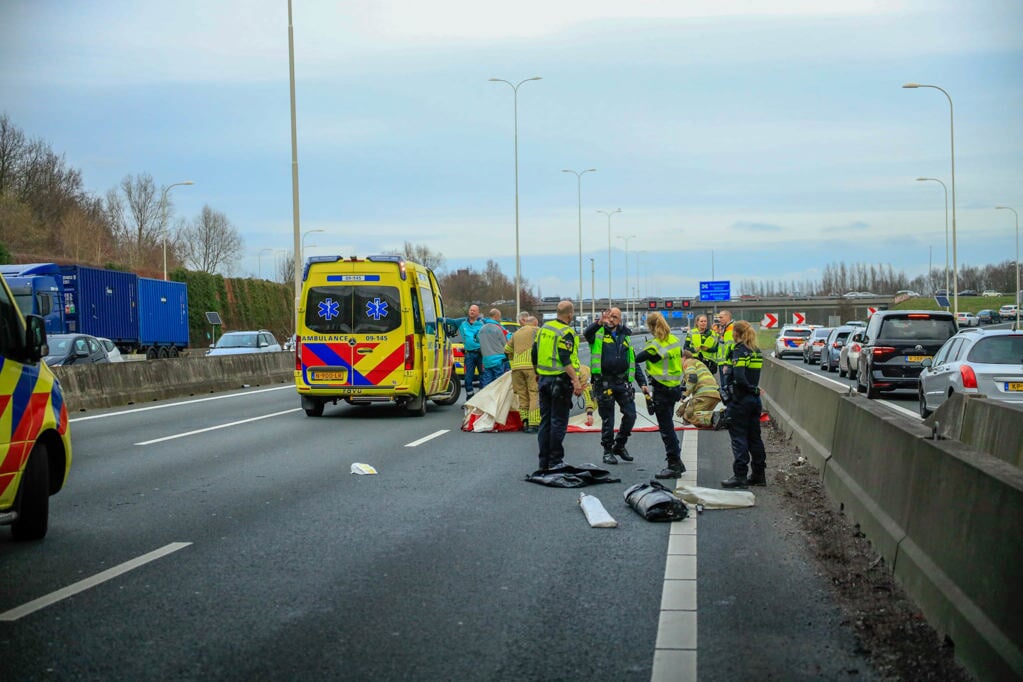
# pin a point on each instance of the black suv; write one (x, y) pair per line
(895, 343)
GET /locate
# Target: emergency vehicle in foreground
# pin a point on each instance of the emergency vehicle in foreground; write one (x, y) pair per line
(35, 443)
(367, 330)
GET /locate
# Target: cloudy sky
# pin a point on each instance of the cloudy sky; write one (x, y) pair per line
(774, 134)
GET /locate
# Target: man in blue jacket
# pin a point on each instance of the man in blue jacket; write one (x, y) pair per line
(469, 328)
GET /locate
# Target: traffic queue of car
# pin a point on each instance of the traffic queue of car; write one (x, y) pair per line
(933, 353)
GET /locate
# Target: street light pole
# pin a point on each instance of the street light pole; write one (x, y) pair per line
(579, 195)
(163, 220)
(609, 214)
(518, 261)
(1010, 208)
(627, 293)
(946, 226)
(952, 138)
(259, 261)
(304, 235)
(593, 291)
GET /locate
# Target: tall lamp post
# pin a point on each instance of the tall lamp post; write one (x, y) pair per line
(518, 262)
(579, 195)
(627, 292)
(1010, 208)
(593, 291)
(609, 214)
(952, 138)
(259, 260)
(163, 220)
(304, 235)
(946, 226)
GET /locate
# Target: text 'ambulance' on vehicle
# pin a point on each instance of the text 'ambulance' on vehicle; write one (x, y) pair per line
(367, 331)
(35, 443)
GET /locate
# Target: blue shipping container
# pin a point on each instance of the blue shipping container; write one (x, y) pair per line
(163, 313)
(101, 302)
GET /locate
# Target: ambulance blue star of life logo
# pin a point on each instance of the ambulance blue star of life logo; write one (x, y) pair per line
(328, 309)
(376, 309)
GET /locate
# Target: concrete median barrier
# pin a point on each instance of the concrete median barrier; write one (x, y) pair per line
(88, 387)
(946, 515)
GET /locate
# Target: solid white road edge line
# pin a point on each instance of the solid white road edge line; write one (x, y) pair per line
(82, 585)
(183, 402)
(675, 652)
(219, 426)
(426, 438)
(893, 406)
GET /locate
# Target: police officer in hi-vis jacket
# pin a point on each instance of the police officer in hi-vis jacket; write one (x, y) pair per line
(556, 358)
(663, 358)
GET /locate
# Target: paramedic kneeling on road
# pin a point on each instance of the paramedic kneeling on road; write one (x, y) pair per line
(663, 358)
(700, 394)
(556, 357)
(742, 395)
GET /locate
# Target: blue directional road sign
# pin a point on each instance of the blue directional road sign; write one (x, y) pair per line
(716, 291)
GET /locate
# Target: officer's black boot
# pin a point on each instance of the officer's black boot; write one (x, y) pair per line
(619, 449)
(735, 482)
(609, 457)
(673, 470)
(757, 478)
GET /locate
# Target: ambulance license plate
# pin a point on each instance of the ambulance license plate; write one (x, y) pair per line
(330, 376)
(916, 358)
(1014, 386)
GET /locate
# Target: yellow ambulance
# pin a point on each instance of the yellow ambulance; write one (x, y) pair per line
(35, 444)
(367, 331)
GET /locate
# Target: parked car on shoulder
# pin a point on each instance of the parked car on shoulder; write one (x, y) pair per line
(815, 345)
(986, 362)
(833, 345)
(240, 343)
(790, 340)
(894, 346)
(989, 317)
(966, 319)
(113, 352)
(74, 349)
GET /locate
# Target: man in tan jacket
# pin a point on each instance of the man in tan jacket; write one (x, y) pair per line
(523, 375)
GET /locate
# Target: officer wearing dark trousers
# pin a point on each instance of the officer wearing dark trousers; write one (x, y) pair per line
(663, 358)
(556, 357)
(613, 369)
(744, 408)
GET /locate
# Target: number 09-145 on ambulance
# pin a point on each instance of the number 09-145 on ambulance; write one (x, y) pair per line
(367, 331)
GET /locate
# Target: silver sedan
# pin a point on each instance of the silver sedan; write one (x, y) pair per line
(985, 362)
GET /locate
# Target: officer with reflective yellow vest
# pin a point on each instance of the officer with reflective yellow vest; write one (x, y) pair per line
(613, 369)
(556, 358)
(726, 341)
(663, 358)
(703, 344)
(741, 394)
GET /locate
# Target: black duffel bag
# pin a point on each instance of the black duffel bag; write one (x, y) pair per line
(654, 502)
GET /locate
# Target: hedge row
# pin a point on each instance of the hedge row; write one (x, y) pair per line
(243, 303)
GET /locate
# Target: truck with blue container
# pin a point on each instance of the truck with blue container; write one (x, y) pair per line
(139, 314)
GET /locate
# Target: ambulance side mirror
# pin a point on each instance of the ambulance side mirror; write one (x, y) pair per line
(35, 338)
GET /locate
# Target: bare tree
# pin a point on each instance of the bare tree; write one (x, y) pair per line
(136, 217)
(422, 254)
(284, 265)
(210, 243)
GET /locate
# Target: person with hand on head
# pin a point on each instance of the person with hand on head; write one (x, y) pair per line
(469, 328)
(519, 349)
(613, 367)
(555, 356)
(663, 358)
(742, 394)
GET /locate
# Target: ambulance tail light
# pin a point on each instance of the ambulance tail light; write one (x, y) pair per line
(969, 377)
(410, 352)
(298, 353)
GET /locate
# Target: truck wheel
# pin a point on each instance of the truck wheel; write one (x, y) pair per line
(312, 407)
(173, 351)
(34, 505)
(417, 406)
(163, 353)
(451, 395)
(151, 353)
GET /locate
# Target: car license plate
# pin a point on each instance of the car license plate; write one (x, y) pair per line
(330, 376)
(916, 358)
(1014, 386)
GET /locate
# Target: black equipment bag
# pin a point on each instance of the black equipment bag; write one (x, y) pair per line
(654, 502)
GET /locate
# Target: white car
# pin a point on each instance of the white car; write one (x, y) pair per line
(113, 352)
(239, 343)
(1008, 310)
(990, 293)
(965, 319)
(790, 340)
